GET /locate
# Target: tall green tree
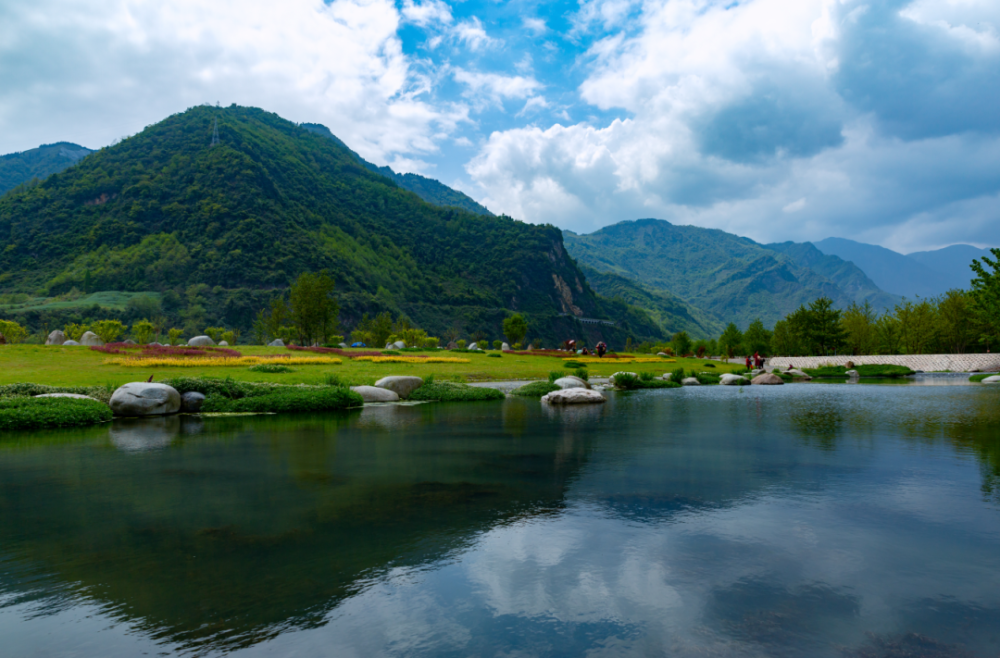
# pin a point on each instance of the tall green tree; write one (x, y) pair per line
(681, 343)
(375, 331)
(888, 334)
(784, 340)
(917, 325)
(314, 310)
(825, 333)
(731, 340)
(985, 296)
(954, 311)
(858, 322)
(515, 328)
(756, 338)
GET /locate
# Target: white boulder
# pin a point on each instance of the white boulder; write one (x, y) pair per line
(571, 381)
(145, 399)
(223, 343)
(995, 379)
(90, 339)
(767, 379)
(505, 347)
(730, 379)
(343, 346)
(71, 343)
(401, 385)
(399, 345)
(574, 396)
(375, 394)
(690, 381)
(798, 374)
(201, 341)
(56, 337)
(277, 342)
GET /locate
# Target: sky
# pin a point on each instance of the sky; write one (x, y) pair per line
(773, 119)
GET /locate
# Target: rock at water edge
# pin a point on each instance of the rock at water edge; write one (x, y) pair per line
(995, 379)
(574, 396)
(690, 381)
(767, 380)
(401, 385)
(145, 399)
(730, 379)
(375, 394)
(191, 402)
(90, 339)
(571, 381)
(56, 337)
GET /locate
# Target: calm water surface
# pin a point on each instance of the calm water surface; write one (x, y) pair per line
(800, 520)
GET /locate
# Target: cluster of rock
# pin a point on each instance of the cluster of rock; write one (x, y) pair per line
(573, 396)
(389, 389)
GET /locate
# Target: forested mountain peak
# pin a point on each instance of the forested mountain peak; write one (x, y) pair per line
(40, 163)
(168, 208)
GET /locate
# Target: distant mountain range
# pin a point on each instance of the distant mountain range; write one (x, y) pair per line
(923, 273)
(40, 163)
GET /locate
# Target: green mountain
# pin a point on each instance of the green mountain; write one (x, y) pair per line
(40, 163)
(731, 278)
(218, 228)
(428, 189)
(845, 274)
(670, 312)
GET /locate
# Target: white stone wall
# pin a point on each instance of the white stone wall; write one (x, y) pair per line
(925, 362)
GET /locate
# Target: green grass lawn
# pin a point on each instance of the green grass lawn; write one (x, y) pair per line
(81, 366)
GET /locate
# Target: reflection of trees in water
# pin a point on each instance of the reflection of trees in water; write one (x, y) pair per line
(219, 540)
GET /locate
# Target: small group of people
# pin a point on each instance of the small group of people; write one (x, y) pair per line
(600, 349)
(755, 362)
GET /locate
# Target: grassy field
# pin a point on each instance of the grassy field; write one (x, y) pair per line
(81, 366)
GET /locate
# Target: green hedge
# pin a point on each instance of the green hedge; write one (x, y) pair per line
(227, 388)
(452, 392)
(979, 378)
(25, 413)
(292, 399)
(863, 371)
(271, 368)
(25, 390)
(628, 383)
(535, 390)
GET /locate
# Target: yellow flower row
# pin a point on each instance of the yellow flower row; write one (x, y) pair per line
(200, 362)
(410, 359)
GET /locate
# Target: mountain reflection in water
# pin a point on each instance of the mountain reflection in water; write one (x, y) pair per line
(795, 520)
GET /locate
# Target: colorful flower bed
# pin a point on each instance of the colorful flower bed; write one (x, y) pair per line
(161, 351)
(170, 362)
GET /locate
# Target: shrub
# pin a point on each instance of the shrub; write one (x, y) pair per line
(431, 343)
(215, 333)
(498, 345)
(461, 344)
(554, 375)
(516, 347)
(707, 378)
(883, 371)
(229, 337)
(23, 413)
(273, 368)
(677, 375)
(332, 380)
(535, 390)
(228, 387)
(979, 378)
(570, 363)
(75, 331)
(289, 399)
(12, 331)
(142, 331)
(709, 365)
(453, 392)
(626, 381)
(174, 336)
(108, 330)
(648, 376)
(495, 356)
(390, 353)
(582, 374)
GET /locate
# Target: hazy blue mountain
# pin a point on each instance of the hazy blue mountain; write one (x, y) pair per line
(951, 263)
(42, 162)
(908, 276)
(848, 276)
(730, 277)
(428, 189)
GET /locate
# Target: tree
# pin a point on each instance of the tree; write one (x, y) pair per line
(12, 331)
(515, 328)
(858, 323)
(373, 331)
(142, 331)
(174, 336)
(887, 334)
(314, 311)
(682, 343)
(954, 311)
(917, 325)
(731, 341)
(784, 340)
(985, 297)
(75, 331)
(108, 330)
(824, 332)
(757, 338)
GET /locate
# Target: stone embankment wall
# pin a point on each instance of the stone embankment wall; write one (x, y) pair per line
(925, 362)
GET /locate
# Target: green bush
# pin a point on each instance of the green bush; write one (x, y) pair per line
(272, 368)
(453, 392)
(582, 374)
(289, 399)
(677, 375)
(571, 363)
(461, 344)
(979, 378)
(709, 365)
(24, 413)
(648, 376)
(535, 389)
(25, 390)
(495, 356)
(883, 371)
(498, 345)
(554, 375)
(628, 382)
(227, 388)
(707, 378)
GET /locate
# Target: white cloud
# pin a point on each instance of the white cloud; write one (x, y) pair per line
(535, 25)
(795, 206)
(427, 13)
(494, 86)
(103, 69)
(473, 35)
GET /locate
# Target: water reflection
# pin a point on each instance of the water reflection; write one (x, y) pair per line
(773, 521)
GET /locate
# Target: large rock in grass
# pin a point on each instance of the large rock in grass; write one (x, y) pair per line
(56, 337)
(75, 396)
(223, 343)
(730, 379)
(145, 399)
(690, 381)
(571, 381)
(71, 343)
(505, 347)
(574, 396)
(191, 402)
(399, 345)
(375, 394)
(201, 341)
(995, 379)
(90, 339)
(400, 385)
(277, 342)
(767, 379)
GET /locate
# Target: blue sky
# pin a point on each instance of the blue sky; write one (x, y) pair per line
(774, 119)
